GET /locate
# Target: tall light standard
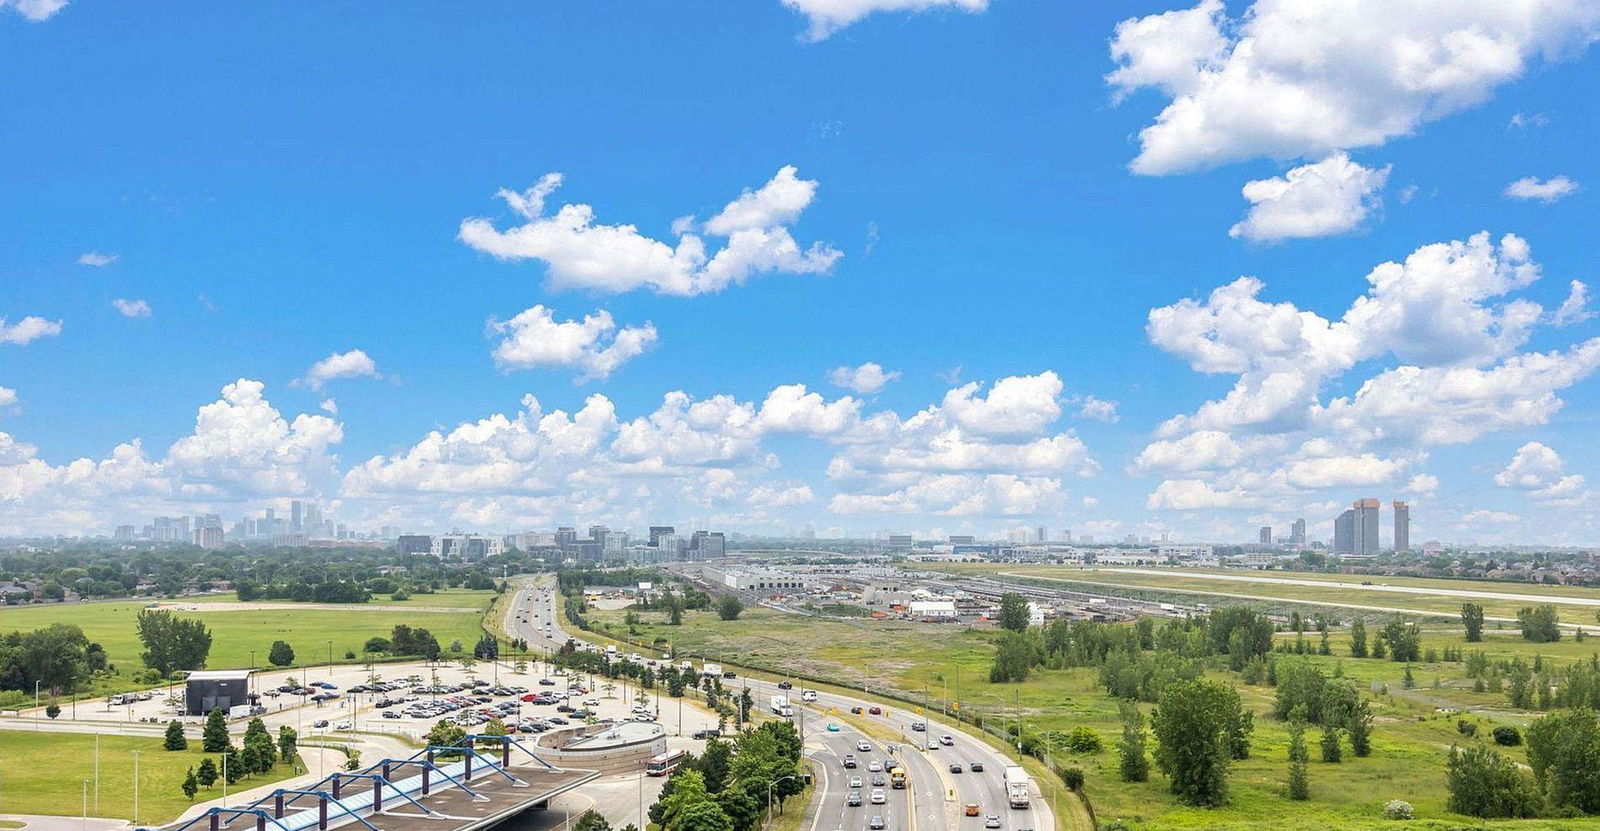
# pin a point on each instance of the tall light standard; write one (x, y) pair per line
(136, 788)
(85, 825)
(770, 786)
(330, 659)
(36, 704)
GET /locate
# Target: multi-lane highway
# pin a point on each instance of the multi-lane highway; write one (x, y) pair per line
(936, 797)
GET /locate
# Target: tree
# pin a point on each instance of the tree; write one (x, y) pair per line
(1472, 619)
(175, 739)
(1359, 723)
(729, 607)
(1133, 765)
(1013, 659)
(1482, 783)
(206, 775)
(214, 737)
(1539, 623)
(1358, 638)
(715, 765)
(592, 821)
(191, 785)
(1562, 749)
(288, 744)
(172, 643)
(1192, 724)
(263, 751)
(232, 771)
(281, 654)
(1404, 640)
(1332, 751)
(1299, 779)
(702, 816)
(1014, 612)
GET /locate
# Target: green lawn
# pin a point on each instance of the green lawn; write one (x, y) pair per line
(443, 598)
(935, 660)
(234, 634)
(43, 773)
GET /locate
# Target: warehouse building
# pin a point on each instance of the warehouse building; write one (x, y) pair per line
(223, 689)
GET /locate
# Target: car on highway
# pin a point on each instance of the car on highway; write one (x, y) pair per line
(947, 740)
(875, 766)
(919, 726)
(879, 797)
(878, 780)
(855, 711)
(991, 821)
(877, 823)
(854, 799)
(863, 746)
(976, 767)
(321, 722)
(849, 760)
(855, 782)
(876, 711)
(973, 809)
(955, 768)
(833, 728)
(785, 685)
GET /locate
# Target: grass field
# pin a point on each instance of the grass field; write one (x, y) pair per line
(1233, 582)
(930, 662)
(234, 634)
(443, 598)
(34, 767)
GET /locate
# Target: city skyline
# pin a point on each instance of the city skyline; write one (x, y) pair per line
(1048, 273)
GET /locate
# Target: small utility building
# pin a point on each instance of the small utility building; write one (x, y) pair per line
(207, 690)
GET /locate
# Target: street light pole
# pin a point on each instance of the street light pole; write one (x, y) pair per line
(135, 787)
(770, 786)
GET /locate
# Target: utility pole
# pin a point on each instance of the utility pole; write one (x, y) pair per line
(97, 773)
(136, 788)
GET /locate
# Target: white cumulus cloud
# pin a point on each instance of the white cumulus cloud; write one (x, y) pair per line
(131, 308)
(1293, 79)
(1575, 309)
(593, 346)
(580, 253)
(34, 10)
(863, 380)
(1333, 196)
(352, 364)
(829, 16)
(1542, 190)
(28, 330)
(95, 259)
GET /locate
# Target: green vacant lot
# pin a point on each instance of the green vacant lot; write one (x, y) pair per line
(43, 773)
(930, 662)
(1231, 582)
(441, 599)
(234, 634)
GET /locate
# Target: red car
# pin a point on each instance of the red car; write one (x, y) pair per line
(877, 711)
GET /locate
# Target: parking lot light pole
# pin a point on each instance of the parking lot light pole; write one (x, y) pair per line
(136, 788)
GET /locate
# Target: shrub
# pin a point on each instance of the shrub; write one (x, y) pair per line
(1507, 736)
(1083, 739)
(1466, 728)
(1073, 777)
(1398, 809)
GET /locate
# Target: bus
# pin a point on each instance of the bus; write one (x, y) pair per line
(664, 764)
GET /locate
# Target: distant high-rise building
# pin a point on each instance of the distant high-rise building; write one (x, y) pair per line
(900, 541)
(566, 537)
(1266, 535)
(598, 533)
(1344, 533)
(659, 531)
(962, 539)
(125, 533)
(1043, 534)
(297, 517)
(1402, 526)
(207, 536)
(1366, 526)
(1297, 532)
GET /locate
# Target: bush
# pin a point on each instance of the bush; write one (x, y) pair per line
(1073, 777)
(1083, 740)
(1507, 736)
(1466, 728)
(1398, 809)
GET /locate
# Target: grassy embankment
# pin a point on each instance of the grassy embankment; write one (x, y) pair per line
(920, 660)
(44, 774)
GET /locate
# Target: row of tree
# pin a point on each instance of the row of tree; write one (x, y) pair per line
(726, 788)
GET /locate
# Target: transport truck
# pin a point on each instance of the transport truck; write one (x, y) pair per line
(781, 707)
(1017, 786)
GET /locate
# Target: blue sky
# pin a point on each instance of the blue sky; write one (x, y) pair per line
(281, 185)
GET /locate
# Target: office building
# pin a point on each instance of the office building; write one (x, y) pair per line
(1344, 533)
(1297, 533)
(1366, 527)
(208, 537)
(566, 537)
(125, 533)
(962, 539)
(297, 517)
(1043, 535)
(1266, 535)
(659, 531)
(1402, 526)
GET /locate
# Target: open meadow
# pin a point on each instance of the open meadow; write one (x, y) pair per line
(947, 666)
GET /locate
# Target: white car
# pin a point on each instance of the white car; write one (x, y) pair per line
(347, 724)
(879, 797)
(947, 740)
(855, 783)
(591, 702)
(863, 747)
(875, 766)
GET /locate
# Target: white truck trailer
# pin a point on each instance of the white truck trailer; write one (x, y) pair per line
(1017, 786)
(780, 706)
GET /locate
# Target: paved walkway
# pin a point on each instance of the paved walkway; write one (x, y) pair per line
(41, 823)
